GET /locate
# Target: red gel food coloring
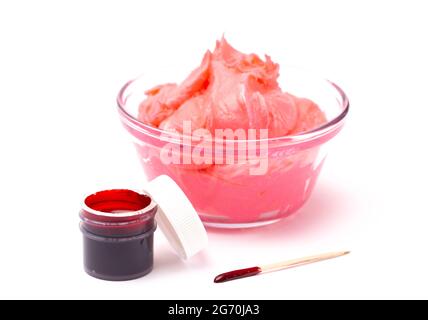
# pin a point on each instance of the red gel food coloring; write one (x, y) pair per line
(117, 213)
(237, 274)
(118, 227)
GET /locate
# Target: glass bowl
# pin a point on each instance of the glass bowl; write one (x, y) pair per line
(229, 195)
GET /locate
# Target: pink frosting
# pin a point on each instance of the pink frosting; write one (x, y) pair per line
(230, 90)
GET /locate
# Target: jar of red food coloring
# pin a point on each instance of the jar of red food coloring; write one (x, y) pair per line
(118, 228)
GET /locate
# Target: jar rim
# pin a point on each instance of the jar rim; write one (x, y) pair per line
(152, 204)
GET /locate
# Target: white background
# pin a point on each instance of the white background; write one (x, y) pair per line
(61, 66)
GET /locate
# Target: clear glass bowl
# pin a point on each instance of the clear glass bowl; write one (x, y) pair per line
(227, 195)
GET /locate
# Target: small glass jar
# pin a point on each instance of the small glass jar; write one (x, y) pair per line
(118, 227)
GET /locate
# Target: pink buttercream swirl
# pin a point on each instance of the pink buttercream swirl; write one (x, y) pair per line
(230, 90)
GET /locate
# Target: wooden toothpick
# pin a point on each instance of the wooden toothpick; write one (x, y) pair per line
(252, 271)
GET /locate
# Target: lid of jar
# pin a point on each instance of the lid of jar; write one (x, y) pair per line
(176, 217)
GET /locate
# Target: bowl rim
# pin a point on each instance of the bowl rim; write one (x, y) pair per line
(177, 137)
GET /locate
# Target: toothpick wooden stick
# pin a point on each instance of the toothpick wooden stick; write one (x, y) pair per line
(252, 271)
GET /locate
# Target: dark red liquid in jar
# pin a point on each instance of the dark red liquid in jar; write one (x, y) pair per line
(118, 227)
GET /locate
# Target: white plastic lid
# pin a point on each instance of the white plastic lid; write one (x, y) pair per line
(177, 218)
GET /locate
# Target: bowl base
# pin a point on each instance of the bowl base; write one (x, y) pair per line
(239, 225)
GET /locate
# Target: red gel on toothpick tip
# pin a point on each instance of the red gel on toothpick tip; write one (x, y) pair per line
(237, 274)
